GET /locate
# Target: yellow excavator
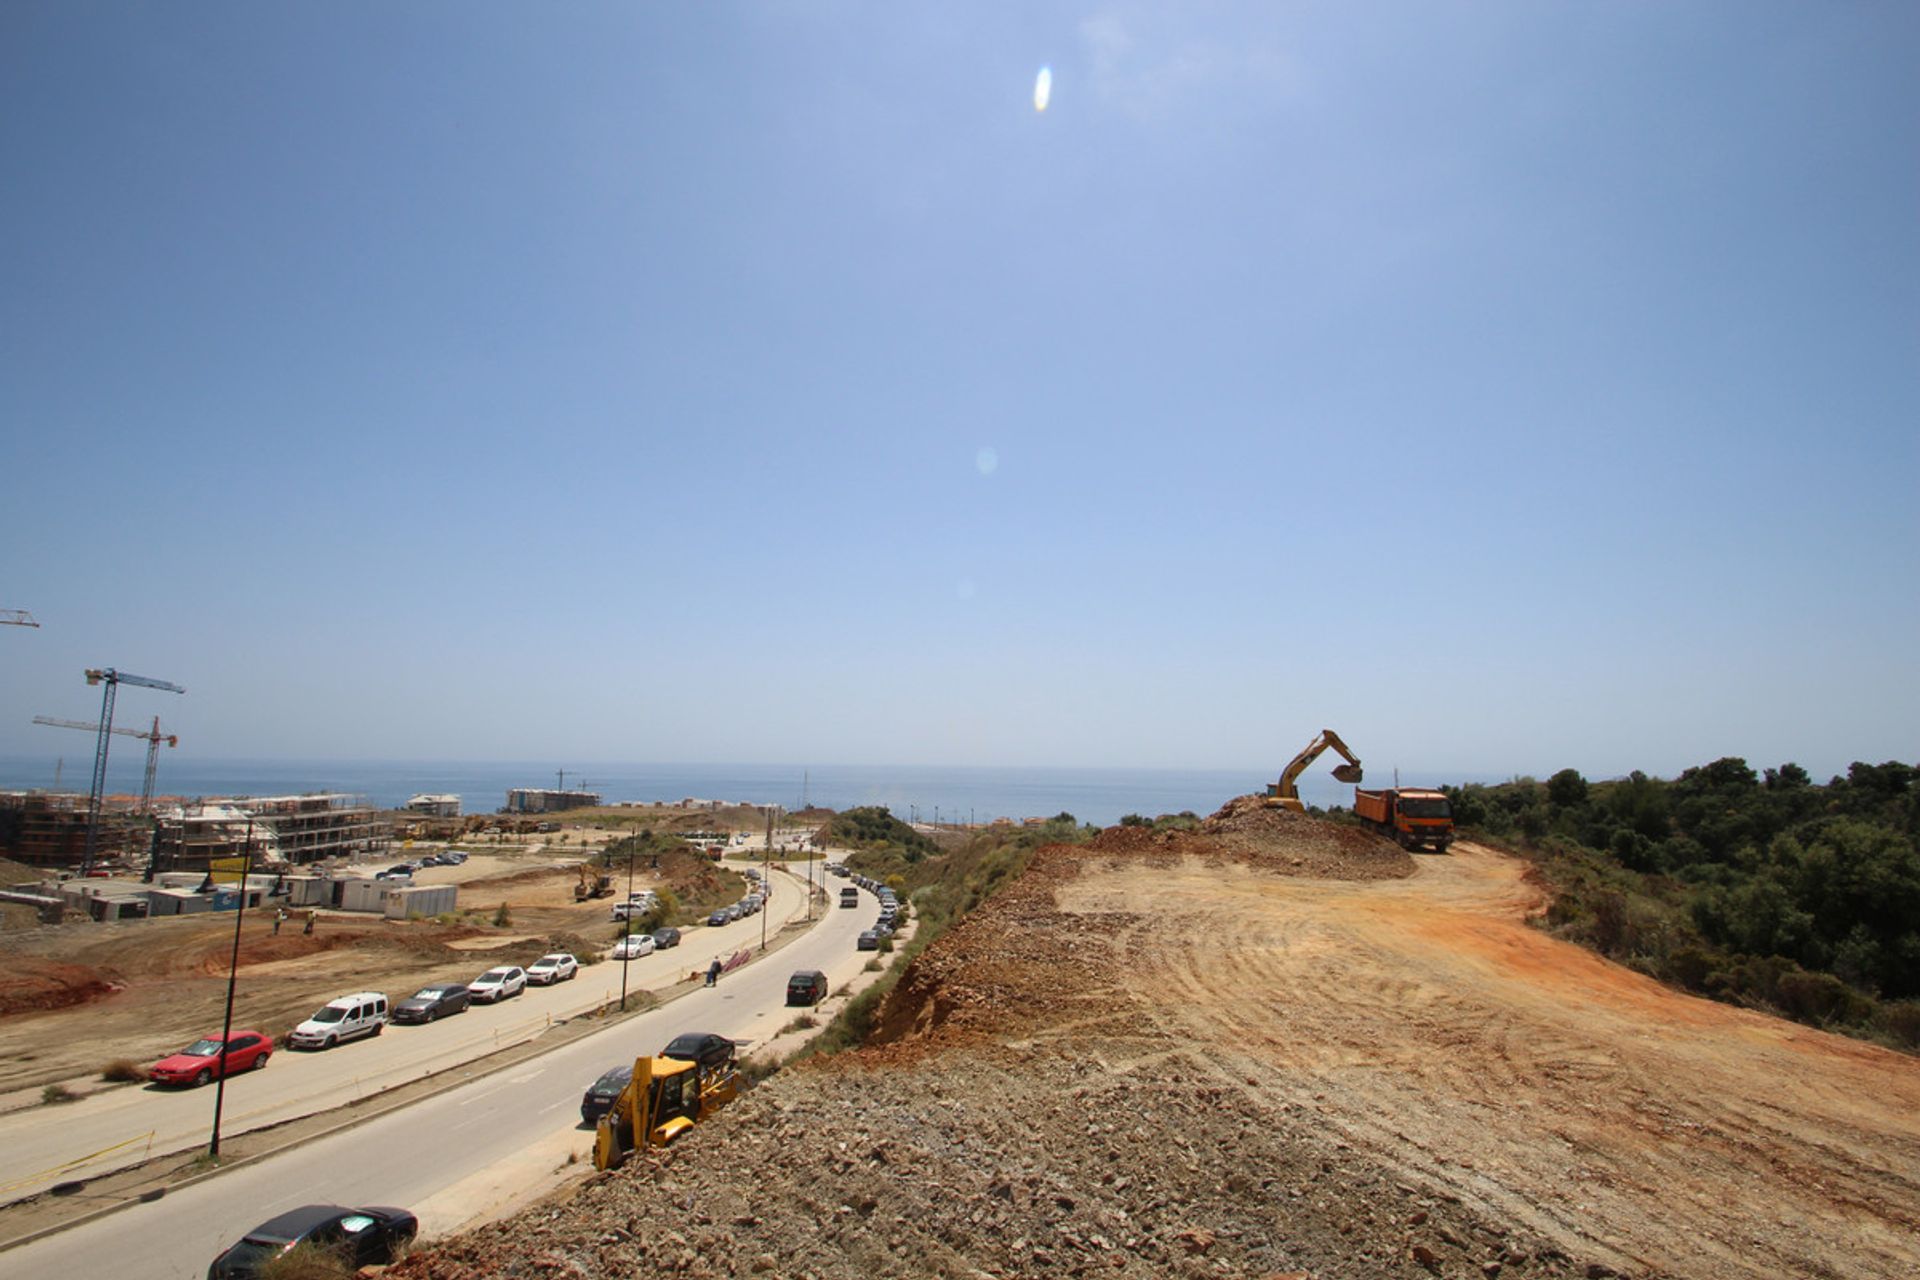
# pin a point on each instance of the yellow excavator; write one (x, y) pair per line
(665, 1098)
(1281, 794)
(594, 883)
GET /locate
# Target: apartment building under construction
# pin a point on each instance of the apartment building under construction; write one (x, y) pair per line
(290, 829)
(49, 829)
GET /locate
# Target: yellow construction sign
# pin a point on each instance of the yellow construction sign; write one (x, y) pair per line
(227, 870)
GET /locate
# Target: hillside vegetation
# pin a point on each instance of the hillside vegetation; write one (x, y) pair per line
(1768, 890)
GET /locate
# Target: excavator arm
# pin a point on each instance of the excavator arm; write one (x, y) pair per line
(1281, 795)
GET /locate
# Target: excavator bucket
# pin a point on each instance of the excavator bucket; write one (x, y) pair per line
(1346, 773)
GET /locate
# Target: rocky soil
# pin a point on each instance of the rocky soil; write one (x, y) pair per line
(1275, 1047)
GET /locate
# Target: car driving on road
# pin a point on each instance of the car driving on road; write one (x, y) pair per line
(499, 983)
(547, 970)
(203, 1060)
(430, 1003)
(361, 1237)
(703, 1047)
(600, 1095)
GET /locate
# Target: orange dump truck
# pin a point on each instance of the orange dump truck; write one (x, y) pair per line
(1411, 815)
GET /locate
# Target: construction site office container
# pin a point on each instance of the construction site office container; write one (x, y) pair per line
(177, 902)
(420, 900)
(359, 894)
(308, 891)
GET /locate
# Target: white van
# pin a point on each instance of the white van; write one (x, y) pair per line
(349, 1017)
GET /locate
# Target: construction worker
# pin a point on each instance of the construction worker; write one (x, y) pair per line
(313, 918)
(279, 918)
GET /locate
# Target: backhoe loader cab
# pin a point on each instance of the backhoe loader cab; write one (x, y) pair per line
(664, 1099)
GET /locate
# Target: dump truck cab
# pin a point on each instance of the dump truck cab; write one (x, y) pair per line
(1414, 816)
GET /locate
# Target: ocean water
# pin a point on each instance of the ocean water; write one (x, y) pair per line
(926, 792)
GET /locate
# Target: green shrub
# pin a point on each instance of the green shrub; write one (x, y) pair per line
(503, 918)
(54, 1094)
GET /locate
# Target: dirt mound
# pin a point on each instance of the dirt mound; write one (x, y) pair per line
(30, 984)
(1297, 844)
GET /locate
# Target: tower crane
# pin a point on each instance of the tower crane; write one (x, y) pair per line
(17, 618)
(112, 679)
(153, 738)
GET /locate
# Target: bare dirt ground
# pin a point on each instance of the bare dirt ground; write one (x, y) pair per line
(77, 996)
(1274, 1048)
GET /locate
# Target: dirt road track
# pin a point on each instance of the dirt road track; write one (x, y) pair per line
(1424, 1022)
(1201, 1054)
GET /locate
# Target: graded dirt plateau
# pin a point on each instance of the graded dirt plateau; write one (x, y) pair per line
(1275, 1047)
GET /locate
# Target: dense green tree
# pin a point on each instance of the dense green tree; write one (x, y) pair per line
(1566, 789)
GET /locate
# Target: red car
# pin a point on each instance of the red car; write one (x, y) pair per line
(201, 1061)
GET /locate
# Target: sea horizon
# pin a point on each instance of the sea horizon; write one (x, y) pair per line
(945, 793)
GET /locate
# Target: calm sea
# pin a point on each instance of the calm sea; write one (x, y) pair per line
(950, 794)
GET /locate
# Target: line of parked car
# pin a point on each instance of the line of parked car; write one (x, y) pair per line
(405, 870)
(353, 1017)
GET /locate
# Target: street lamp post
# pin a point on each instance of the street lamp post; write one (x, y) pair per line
(233, 974)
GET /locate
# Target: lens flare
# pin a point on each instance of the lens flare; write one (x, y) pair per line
(1042, 88)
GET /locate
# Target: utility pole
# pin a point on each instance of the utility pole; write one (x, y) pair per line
(626, 957)
(233, 976)
(112, 680)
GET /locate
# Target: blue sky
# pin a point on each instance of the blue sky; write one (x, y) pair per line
(1509, 386)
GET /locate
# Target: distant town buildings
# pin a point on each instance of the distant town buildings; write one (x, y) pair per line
(435, 806)
(543, 800)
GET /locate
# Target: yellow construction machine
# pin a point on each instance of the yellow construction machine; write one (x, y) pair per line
(663, 1100)
(1281, 794)
(594, 883)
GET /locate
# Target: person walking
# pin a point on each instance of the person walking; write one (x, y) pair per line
(713, 971)
(279, 918)
(313, 918)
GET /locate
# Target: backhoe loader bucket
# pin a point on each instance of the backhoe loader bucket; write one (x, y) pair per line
(1346, 773)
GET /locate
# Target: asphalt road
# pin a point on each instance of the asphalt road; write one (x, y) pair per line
(109, 1130)
(433, 1156)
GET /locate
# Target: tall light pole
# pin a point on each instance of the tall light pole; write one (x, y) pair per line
(233, 975)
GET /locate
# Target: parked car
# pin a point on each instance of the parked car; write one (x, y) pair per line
(431, 1003)
(364, 1238)
(664, 938)
(600, 1095)
(633, 946)
(547, 970)
(869, 941)
(733, 911)
(499, 983)
(703, 1047)
(362, 1014)
(204, 1059)
(622, 910)
(807, 986)
(719, 917)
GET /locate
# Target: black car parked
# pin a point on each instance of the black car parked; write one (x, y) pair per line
(363, 1237)
(600, 1095)
(664, 938)
(429, 1003)
(869, 941)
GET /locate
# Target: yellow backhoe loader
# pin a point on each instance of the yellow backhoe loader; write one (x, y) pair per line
(1281, 794)
(665, 1098)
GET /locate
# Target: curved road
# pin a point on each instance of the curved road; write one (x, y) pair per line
(435, 1155)
(40, 1146)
